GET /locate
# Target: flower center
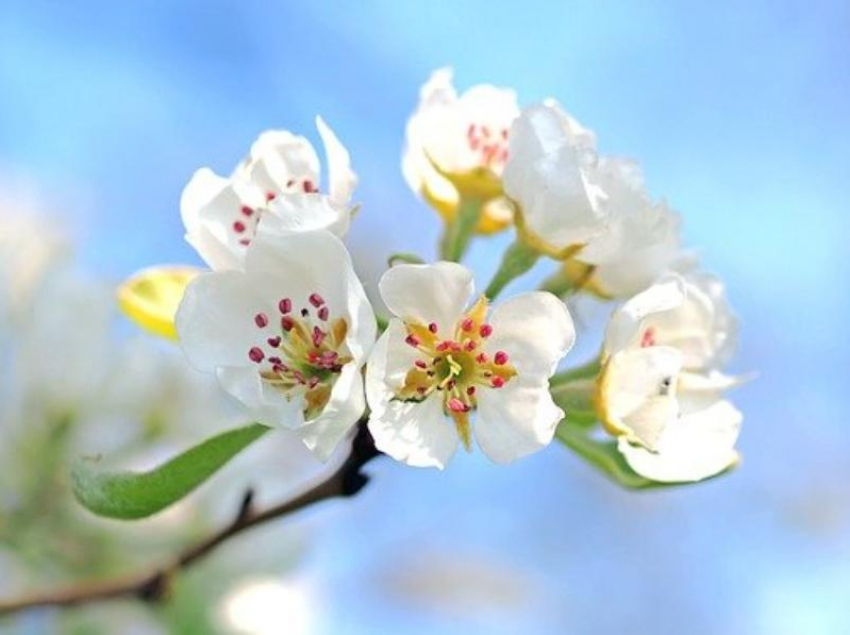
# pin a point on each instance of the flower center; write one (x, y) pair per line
(302, 352)
(456, 365)
(491, 146)
(245, 224)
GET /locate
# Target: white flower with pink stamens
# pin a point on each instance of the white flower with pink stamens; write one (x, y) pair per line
(288, 336)
(277, 183)
(660, 389)
(550, 177)
(455, 139)
(440, 362)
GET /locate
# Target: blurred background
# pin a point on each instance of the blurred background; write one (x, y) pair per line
(739, 113)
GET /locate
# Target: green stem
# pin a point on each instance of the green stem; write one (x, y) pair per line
(518, 259)
(459, 231)
(586, 371)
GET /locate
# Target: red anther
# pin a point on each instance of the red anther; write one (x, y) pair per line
(246, 211)
(285, 306)
(469, 346)
(412, 340)
(443, 346)
(256, 355)
(314, 381)
(456, 405)
(505, 134)
(275, 360)
(279, 368)
(318, 336)
(486, 330)
(270, 196)
(501, 358)
(324, 312)
(287, 323)
(467, 324)
(261, 320)
(497, 382)
(470, 391)
(316, 300)
(420, 364)
(420, 390)
(298, 376)
(244, 242)
(238, 226)
(290, 183)
(432, 327)
(274, 342)
(309, 187)
(648, 338)
(481, 358)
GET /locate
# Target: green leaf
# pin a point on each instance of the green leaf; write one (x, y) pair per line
(605, 456)
(131, 495)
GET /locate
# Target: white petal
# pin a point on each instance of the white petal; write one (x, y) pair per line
(279, 157)
(638, 392)
(697, 446)
(418, 434)
(341, 178)
(264, 404)
(209, 206)
(215, 320)
(547, 175)
(347, 404)
(536, 331)
(516, 420)
(624, 327)
(305, 212)
(428, 293)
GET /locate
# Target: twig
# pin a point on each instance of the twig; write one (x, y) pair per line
(153, 586)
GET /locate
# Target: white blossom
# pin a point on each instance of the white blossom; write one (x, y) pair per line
(463, 140)
(278, 185)
(661, 387)
(288, 336)
(439, 363)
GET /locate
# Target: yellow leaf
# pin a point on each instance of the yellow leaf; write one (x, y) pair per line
(150, 297)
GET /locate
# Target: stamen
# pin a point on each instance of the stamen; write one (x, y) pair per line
(470, 391)
(501, 358)
(432, 327)
(270, 196)
(246, 211)
(261, 320)
(323, 313)
(497, 382)
(420, 364)
(238, 227)
(486, 330)
(274, 342)
(470, 346)
(412, 340)
(256, 355)
(285, 306)
(318, 336)
(481, 358)
(456, 405)
(467, 324)
(316, 300)
(287, 323)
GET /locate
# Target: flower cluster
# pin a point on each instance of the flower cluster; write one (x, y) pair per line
(283, 321)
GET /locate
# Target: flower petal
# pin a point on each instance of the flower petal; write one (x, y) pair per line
(516, 420)
(428, 293)
(536, 330)
(638, 392)
(341, 178)
(624, 327)
(304, 212)
(279, 159)
(697, 446)
(416, 433)
(323, 434)
(264, 405)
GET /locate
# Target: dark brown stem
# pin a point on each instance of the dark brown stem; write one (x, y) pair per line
(153, 585)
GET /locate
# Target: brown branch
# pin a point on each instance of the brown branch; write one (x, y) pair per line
(153, 586)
